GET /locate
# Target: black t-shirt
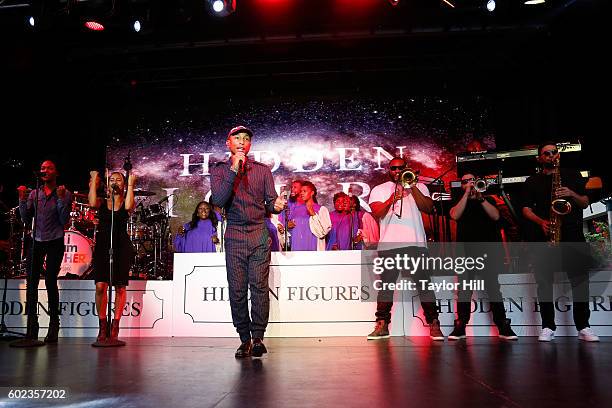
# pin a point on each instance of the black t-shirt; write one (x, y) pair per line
(475, 225)
(537, 196)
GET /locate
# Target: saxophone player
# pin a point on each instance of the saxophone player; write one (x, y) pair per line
(558, 185)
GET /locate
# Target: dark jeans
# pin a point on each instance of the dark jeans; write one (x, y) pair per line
(574, 260)
(494, 265)
(54, 251)
(385, 297)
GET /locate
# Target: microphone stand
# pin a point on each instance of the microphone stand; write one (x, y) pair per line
(500, 182)
(23, 343)
(127, 166)
(286, 222)
(109, 342)
(608, 202)
(351, 224)
(223, 217)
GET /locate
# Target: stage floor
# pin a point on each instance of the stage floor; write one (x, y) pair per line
(316, 372)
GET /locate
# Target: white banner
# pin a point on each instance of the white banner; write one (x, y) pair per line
(147, 312)
(312, 294)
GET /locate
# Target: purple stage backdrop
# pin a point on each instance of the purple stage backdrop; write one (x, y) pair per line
(335, 143)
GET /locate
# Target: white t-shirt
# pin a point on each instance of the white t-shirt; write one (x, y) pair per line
(395, 230)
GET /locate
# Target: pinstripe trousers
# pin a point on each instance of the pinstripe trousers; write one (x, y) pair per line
(247, 259)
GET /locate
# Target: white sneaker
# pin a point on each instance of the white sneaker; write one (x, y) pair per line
(546, 335)
(587, 334)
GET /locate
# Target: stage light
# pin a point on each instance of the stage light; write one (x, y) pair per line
(32, 21)
(137, 26)
(532, 2)
(218, 6)
(94, 26)
(448, 3)
(491, 5)
(223, 8)
(394, 2)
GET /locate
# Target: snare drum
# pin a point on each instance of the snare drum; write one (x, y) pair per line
(78, 254)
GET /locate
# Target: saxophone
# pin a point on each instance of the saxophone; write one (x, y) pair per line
(558, 206)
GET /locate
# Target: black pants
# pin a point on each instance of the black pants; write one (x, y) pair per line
(247, 258)
(54, 251)
(464, 298)
(494, 265)
(385, 297)
(574, 259)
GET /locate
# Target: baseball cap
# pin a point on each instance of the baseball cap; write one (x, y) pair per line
(240, 129)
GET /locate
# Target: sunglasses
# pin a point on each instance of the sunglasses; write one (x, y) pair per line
(468, 180)
(397, 167)
(549, 153)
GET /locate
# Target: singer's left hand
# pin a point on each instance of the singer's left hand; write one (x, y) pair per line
(61, 192)
(279, 203)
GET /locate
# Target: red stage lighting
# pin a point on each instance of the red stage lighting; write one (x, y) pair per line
(94, 26)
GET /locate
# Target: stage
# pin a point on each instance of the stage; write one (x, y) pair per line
(317, 372)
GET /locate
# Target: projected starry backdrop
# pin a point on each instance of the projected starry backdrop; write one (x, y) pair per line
(332, 142)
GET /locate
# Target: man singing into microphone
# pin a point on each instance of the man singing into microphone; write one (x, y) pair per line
(51, 204)
(245, 189)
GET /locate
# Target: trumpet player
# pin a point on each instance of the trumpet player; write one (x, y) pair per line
(477, 222)
(555, 184)
(397, 205)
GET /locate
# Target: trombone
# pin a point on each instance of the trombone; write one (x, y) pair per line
(406, 179)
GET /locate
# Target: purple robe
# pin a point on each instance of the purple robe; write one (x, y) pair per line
(198, 239)
(302, 239)
(340, 232)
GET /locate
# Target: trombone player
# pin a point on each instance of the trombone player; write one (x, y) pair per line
(397, 205)
(556, 184)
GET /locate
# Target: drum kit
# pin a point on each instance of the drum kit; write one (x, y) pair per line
(17, 245)
(148, 229)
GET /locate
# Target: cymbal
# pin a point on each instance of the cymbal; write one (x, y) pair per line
(143, 193)
(80, 195)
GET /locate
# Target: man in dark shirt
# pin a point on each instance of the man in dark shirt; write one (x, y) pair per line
(478, 222)
(574, 258)
(51, 204)
(245, 189)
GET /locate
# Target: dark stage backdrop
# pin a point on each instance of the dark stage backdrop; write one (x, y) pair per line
(333, 142)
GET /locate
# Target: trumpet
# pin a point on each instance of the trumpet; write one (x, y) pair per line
(408, 177)
(481, 185)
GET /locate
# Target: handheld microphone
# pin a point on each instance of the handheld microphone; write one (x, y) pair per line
(239, 165)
